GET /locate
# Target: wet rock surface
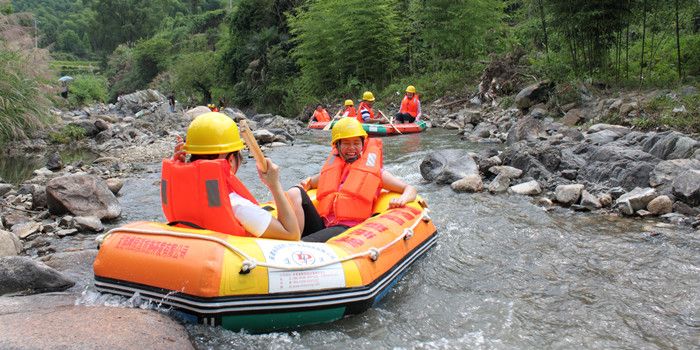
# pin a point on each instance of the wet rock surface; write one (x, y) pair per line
(21, 274)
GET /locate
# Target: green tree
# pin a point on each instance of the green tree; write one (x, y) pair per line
(192, 74)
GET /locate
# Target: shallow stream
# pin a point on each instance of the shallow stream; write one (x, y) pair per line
(505, 273)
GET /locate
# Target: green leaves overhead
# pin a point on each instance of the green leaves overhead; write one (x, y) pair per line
(339, 41)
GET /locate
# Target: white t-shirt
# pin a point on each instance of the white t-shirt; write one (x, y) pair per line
(253, 218)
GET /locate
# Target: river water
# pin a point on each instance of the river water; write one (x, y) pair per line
(505, 273)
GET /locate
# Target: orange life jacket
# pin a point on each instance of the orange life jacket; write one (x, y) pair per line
(410, 105)
(348, 191)
(352, 113)
(198, 193)
(322, 116)
(362, 106)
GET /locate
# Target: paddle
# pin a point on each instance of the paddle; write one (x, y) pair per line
(253, 145)
(328, 126)
(390, 122)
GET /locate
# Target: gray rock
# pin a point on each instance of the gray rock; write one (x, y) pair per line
(67, 326)
(470, 183)
(88, 223)
(589, 201)
(499, 184)
(20, 274)
(574, 117)
(617, 166)
(508, 172)
(26, 229)
(54, 162)
(686, 187)
(9, 244)
(101, 125)
(605, 199)
(140, 100)
(682, 208)
(569, 174)
(602, 137)
(660, 205)
(5, 188)
(675, 218)
(618, 129)
(666, 171)
(671, 145)
(533, 94)
(84, 195)
(568, 194)
(544, 202)
(528, 128)
(635, 200)
(66, 232)
(529, 188)
(115, 185)
(447, 166)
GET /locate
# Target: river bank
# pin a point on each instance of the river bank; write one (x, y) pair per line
(58, 232)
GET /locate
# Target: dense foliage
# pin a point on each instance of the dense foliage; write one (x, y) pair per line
(23, 70)
(283, 55)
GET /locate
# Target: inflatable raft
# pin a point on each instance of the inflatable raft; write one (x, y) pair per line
(317, 125)
(262, 284)
(394, 129)
(382, 129)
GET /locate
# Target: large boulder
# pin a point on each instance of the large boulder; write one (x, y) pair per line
(635, 200)
(568, 194)
(470, 183)
(33, 325)
(234, 113)
(617, 166)
(617, 129)
(667, 170)
(448, 166)
(530, 188)
(10, 245)
(82, 195)
(534, 94)
(528, 128)
(499, 184)
(671, 145)
(660, 205)
(139, 100)
(686, 187)
(21, 274)
(197, 111)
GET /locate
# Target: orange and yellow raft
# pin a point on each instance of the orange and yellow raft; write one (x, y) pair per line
(262, 284)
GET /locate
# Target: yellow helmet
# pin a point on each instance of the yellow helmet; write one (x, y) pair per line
(368, 96)
(346, 128)
(213, 133)
(349, 103)
(411, 89)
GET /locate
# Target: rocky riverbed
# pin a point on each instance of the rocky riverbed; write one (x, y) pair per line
(559, 156)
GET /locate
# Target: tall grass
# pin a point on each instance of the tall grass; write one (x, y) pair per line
(23, 94)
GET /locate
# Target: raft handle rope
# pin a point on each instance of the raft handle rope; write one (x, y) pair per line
(249, 263)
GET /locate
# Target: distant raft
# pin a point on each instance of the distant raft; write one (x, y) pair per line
(382, 129)
(263, 284)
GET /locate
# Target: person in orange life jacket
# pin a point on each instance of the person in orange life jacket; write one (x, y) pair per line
(350, 111)
(345, 191)
(215, 136)
(212, 107)
(410, 107)
(320, 114)
(365, 109)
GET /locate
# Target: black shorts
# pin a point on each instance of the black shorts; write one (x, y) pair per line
(314, 228)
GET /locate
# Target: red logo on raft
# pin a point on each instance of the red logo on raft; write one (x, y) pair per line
(303, 258)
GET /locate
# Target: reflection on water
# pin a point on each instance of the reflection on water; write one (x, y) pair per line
(505, 273)
(18, 169)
